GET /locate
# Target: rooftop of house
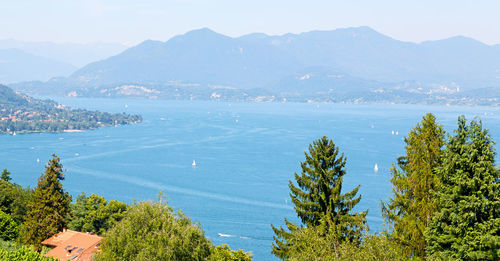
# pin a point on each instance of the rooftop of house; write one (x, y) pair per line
(72, 245)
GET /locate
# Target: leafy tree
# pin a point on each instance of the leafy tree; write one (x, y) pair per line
(312, 244)
(94, 214)
(318, 200)
(411, 206)
(467, 224)
(152, 231)
(13, 200)
(23, 254)
(9, 229)
(6, 176)
(49, 208)
(224, 253)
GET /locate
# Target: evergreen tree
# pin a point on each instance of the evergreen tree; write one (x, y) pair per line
(49, 208)
(6, 176)
(318, 199)
(9, 229)
(467, 224)
(409, 210)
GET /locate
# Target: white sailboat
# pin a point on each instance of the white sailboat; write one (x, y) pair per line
(194, 163)
(375, 168)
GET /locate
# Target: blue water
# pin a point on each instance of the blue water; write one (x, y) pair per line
(245, 155)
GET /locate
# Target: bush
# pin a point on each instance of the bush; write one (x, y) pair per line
(23, 254)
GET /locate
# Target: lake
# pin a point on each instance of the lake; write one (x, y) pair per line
(245, 154)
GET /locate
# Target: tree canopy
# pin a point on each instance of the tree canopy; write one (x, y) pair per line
(409, 210)
(9, 229)
(319, 201)
(48, 211)
(152, 231)
(14, 200)
(467, 224)
(95, 214)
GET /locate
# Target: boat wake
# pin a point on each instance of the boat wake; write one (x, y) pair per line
(169, 188)
(226, 235)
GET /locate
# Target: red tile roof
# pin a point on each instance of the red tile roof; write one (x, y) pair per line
(72, 245)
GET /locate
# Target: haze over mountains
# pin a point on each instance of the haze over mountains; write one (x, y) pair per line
(31, 61)
(350, 62)
(17, 65)
(75, 54)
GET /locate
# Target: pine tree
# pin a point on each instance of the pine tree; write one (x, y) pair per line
(409, 210)
(318, 200)
(49, 208)
(6, 176)
(467, 224)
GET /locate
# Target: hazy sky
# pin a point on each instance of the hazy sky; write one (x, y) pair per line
(132, 21)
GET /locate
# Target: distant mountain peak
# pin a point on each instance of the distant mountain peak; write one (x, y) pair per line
(458, 40)
(202, 34)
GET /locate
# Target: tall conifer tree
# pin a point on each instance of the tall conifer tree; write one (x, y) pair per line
(467, 225)
(410, 208)
(318, 199)
(49, 209)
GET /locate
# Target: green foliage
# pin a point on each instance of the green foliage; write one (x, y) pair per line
(313, 244)
(318, 200)
(49, 208)
(224, 253)
(6, 176)
(94, 214)
(467, 224)
(9, 228)
(13, 200)
(152, 231)
(23, 254)
(9, 245)
(409, 210)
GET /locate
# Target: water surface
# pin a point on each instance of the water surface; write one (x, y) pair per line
(245, 154)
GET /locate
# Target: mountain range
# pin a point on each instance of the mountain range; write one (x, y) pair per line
(349, 62)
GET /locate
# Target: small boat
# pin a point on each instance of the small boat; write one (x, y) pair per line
(38, 160)
(194, 163)
(397, 132)
(393, 132)
(375, 168)
(224, 235)
(14, 133)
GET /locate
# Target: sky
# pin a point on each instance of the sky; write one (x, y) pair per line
(133, 21)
